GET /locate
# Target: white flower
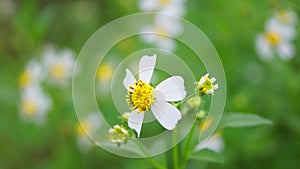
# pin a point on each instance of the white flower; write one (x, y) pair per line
(286, 17)
(173, 7)
(32, 74)
(164, 26)
(143, 97)
(88, 126)
(206, 85)
(214, 143)
(34, 105)
(118, 134)
(59, 65)
(276, 39)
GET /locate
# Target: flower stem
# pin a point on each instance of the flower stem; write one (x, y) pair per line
(150, 158)
(175, 151)
(186, 152)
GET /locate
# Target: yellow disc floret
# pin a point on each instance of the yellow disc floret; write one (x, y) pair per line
(140, 96)
(273, 38)
(58, 70)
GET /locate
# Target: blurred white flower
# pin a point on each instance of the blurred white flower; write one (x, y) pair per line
(173, 7)
(32, 75)
(286, 17)
(34, 105)
(276, 40)
(58, 65)
(87, 128)
(214, 143)
(164, 26)
(142, 96)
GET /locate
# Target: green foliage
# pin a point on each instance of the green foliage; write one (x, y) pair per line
(238, 120)
(207, 155)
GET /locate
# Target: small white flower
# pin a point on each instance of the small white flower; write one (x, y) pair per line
(34, 105)
(206, 85)
(165, 26)
(276, 40)
(59, 65)
(32, 74)
(173, 7)
(118, 134)
(143, 97)
(87, 127)
(214, 143)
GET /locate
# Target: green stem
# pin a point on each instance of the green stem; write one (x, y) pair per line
(175, 151)
(151, 159)
(185, 99)
(186, 152)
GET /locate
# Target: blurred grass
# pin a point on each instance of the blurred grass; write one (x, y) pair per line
(271, 90)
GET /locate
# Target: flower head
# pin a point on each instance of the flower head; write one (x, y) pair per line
(276, 39)
(59, 65)
(206, 85)
(142, 97)
(118, 134)
(34, 104)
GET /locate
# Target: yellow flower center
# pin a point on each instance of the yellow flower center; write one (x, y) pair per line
(29, 107)
(273, 38)
(104, 73)
(140, 96)
(206, 86)
(165, 1)
(25, 79)
(57, 70)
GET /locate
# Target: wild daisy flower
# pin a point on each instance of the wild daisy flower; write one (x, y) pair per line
(118, 134)
(206, 85)
(59, 65)
(276, 40)
(143, 97)
(32, 74)
(88, 126)
(34, 104)
(173, 7)
(164, 26)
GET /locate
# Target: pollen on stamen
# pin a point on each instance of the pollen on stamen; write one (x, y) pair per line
(140, 96)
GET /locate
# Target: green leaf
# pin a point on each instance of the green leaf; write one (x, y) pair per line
(242, 120)
(207, 155)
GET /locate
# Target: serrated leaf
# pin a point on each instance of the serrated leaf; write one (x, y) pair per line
(242, 120)
(207, 155)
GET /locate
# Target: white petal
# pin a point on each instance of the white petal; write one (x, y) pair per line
(146, 68)
(286, 51)
(165, 43)
(166, 114)
(129, 79)
(263, 48)
(171, 89)
(135, 121)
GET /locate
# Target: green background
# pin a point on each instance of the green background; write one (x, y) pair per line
(268, 89)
